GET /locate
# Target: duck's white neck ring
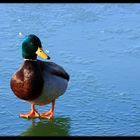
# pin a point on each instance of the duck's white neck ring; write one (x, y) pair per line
(30, 59)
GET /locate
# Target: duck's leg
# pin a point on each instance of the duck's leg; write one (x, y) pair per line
(32, 114)
(49, 114)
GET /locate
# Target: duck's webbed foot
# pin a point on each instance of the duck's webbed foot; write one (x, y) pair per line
(30, 115)
(49, 114)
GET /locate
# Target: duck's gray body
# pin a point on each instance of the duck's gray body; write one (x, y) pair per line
(55, 82)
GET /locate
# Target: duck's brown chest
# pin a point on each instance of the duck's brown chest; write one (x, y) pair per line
(27, 82)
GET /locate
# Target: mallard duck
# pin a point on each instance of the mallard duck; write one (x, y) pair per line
(38, 82)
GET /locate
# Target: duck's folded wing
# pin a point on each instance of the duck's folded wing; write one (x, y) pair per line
(57, 70)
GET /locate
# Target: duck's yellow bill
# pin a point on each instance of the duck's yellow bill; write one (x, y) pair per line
(42, 54)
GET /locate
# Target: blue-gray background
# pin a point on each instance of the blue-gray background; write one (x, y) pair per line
(98, 45)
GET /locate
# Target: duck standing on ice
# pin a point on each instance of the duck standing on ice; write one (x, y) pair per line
(38, 82)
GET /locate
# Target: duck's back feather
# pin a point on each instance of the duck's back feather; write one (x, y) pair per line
(54, 69)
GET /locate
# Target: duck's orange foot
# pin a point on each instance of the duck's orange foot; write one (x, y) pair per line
(46, 115)
(30, 115)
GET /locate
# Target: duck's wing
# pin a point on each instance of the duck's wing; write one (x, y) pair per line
(55, 69)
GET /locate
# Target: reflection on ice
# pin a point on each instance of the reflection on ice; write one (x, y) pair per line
(58, 126)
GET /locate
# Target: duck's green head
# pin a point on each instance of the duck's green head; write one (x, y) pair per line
(31, 47)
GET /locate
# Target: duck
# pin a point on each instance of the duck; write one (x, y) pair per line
(38, 82)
